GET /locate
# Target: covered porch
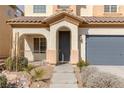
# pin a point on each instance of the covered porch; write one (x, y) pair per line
(33, 45)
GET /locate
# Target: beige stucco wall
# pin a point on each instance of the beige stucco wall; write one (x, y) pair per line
(28, 10)
(84, 10)
(81, 10)
(98, 10)
(28, 48)
(96, 31)
(5, 29)
(72, 9)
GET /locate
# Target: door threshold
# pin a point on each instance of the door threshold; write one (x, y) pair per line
(63, 62)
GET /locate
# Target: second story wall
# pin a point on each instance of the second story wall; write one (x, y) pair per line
(70, 9)
(98, 10)
(84, 10)
(28, 10)
(80, 10)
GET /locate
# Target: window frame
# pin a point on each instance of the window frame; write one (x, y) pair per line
(110, 9)
(62, 7)
(39, 9)
(41, 45)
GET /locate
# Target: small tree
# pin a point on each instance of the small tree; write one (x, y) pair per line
(82, 64)
(9, 64)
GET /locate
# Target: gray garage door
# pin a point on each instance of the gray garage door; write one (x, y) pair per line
(105, 50)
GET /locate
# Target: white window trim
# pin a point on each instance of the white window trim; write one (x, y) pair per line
(39, 45)
(40, 12)
(110, 9)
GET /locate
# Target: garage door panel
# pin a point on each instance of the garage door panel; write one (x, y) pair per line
(105, 50)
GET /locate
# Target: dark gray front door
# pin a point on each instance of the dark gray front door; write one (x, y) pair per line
(105, 50)
(64, 46)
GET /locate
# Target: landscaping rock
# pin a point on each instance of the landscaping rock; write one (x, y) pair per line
(78, 76)
(23, 79)
(39, 84)
(104, 80)
(11, 76)
(86, 72)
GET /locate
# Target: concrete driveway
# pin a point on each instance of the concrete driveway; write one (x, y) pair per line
(116, 70)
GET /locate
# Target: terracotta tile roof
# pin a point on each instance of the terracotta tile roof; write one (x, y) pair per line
(28, 19)
(34, 19)
(83, 19)
(103, 19)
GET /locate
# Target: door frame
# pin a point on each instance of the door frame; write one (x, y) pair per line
(59, 45)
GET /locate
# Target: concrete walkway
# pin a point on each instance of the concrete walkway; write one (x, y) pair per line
(64, 77)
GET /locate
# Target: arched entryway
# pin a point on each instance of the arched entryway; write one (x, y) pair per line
(64, 45)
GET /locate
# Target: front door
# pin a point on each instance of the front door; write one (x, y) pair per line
(64, 46)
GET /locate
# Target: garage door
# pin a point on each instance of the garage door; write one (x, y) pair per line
(105, 50)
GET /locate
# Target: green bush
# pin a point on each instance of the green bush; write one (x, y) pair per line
(22, 63)
(3, 81)
(81, 64)
(9, 64)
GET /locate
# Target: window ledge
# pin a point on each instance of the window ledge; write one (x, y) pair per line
(112, 14)
(66, 10)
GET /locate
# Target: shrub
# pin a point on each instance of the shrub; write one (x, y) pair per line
(86, 72)
(22, 63)
(82, 64)
(9, 64)
(104, 80)
(38, 74)
(3, 81)
(29, 68)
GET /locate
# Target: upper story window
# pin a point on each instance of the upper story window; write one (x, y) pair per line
(39, 8)
(63, 7)
(110, 8)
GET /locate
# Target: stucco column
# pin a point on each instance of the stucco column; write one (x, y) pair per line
(28, 48)
(74, 45)
(83, 47)
(51, 53)
(51, 56)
